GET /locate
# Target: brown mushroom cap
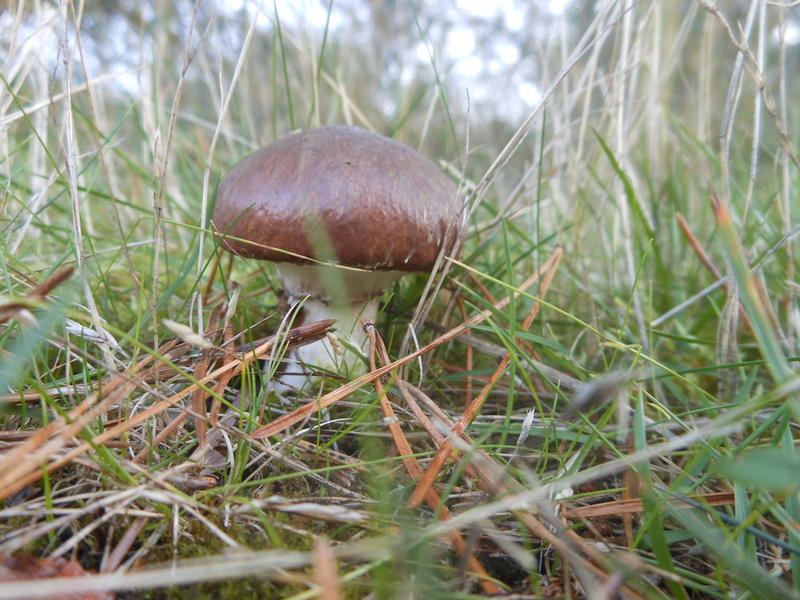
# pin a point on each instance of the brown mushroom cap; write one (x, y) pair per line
(380, 203)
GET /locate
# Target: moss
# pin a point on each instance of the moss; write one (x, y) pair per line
(250, 588)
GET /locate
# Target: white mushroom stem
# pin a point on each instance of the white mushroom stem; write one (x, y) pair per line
(348, 331)
(350, 297)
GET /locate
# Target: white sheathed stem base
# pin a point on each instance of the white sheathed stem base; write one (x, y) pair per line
(349, 297)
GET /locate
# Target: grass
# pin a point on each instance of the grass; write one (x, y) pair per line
(600, 395)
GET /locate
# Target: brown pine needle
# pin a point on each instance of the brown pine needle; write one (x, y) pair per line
(325, 574)
(26, 463)
(426, 481)
(635, 505)
(10, 309)
(469, 359)
(161, 436)
(123, 547)
(630, 491)
(697, 246)
(219, 388)
(721, 212)
(412, 467)
(21, 466)
(199, 395)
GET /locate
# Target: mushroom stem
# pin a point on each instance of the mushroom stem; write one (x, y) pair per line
(351, 298)
(348, 331)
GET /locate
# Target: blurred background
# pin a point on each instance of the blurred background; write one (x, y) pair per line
(456, 79)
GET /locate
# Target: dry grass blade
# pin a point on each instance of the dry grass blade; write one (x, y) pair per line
(162, 155)
(760, 81)
(11, 436)
(469, 361)
(198, 401)
(71, 156)
(270, 564)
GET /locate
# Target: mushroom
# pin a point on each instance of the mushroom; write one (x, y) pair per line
(343, 212)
